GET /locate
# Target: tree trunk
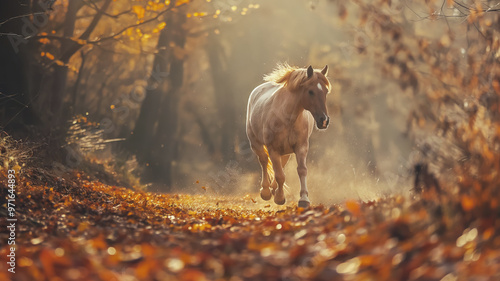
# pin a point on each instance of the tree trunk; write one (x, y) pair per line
(166, 138)
(141, 139)
(224, 98)
(68, 49)
(14, 110)
(154, 138)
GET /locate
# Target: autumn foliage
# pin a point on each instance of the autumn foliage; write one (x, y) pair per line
(72, 226)
(76, 229)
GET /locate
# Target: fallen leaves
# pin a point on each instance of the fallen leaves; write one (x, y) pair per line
(467, 203)
(92, 231)
(353, 207)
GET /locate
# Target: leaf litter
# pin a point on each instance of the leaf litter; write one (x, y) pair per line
(76, 229)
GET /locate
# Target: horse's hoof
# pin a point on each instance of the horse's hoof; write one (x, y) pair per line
(278, 201)
(265, 193)
(304, 204)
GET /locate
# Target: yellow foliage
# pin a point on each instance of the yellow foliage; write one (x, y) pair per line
(139, 11)
(181, 2)
(155, 6)
(161, 25)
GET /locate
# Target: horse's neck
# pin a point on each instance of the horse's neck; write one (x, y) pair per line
(288, 105)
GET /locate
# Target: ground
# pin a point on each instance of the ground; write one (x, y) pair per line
(73, 228)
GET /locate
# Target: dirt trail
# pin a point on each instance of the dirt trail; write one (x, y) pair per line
(81, 230)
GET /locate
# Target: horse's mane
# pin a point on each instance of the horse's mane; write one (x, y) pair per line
(291, 77)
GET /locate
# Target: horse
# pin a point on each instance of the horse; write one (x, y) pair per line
(281, 115)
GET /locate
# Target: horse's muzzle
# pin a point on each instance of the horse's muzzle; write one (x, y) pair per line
(322, 122)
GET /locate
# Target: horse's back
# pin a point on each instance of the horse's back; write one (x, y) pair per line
(260, 99)
(260, 95)
(259, 103)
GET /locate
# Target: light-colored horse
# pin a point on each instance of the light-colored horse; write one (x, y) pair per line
(281, 114)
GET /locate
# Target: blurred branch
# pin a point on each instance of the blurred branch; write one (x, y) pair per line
(475, 10)
(463, 9)
(137, 24)
(62, 38)
(10, 34)
(72, 49)
(21, 16)
(93, 6)
(86, 34)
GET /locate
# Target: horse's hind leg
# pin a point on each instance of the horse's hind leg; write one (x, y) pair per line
(279, 175)
(284, 160)
(265, 192)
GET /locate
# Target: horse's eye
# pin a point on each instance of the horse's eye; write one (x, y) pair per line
(311, 93)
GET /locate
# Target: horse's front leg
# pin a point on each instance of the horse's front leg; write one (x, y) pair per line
(301, 155)
(279, 176)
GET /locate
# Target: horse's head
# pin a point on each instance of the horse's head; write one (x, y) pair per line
(313, 95)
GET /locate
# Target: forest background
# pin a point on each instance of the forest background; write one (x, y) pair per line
(156, 91)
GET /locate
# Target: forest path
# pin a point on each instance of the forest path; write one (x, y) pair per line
(82, 230)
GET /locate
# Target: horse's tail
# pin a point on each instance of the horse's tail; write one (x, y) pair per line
(270, 170)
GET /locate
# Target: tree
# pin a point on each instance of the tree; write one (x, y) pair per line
(154, 139)
(14, 98)
(451, 77)
(224, 92)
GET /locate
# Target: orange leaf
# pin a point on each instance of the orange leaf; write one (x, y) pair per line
(144, 269)
(47, 260)
(467, 203)
(82, 226)
(192, 275)
(49, 56)
(99, 243)
(353, 207)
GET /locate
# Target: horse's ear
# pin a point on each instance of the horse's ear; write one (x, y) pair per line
(310, 72)
(324, 71)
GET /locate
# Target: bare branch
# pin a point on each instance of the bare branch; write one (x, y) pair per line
(471, 9)
(22, 16)
(85, 35)
(62, 38)
(93, 6)
(136, 25)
